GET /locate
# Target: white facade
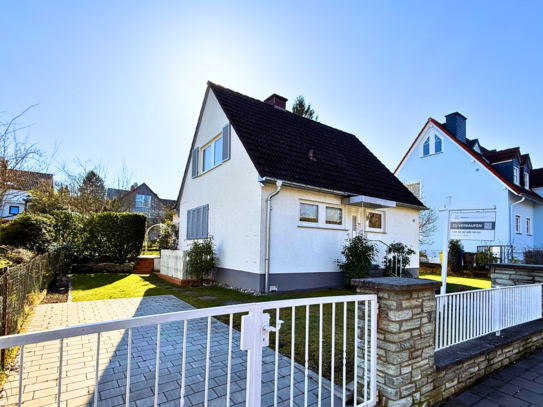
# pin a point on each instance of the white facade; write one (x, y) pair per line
(455, 173)
(302, 255)
(14, 203)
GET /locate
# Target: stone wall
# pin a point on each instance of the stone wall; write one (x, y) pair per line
(102, 268)
(461, 366)
(504, 275)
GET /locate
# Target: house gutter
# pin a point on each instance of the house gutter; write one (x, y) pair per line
(511, 219)
(268, 235)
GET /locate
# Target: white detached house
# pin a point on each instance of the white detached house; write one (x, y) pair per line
(281, 194)
(442, 162)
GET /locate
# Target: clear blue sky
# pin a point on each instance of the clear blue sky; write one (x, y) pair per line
(125, 79)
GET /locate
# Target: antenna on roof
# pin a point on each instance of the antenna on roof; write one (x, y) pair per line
(135, 185)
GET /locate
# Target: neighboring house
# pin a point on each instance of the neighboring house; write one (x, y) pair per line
(443, 162)
(142, 199)
(331, 187)
(17, 196)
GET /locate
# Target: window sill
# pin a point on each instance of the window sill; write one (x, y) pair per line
(316, 226)
(211, 169)
(380, 232)
(429, 155)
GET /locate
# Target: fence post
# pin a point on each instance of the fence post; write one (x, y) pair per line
(5, 312)
(405, 339)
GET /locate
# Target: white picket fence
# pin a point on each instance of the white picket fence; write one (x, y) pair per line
(471, 314)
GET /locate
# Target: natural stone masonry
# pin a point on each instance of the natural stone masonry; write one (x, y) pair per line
(40, 379)
(405, 338)
(506, 275)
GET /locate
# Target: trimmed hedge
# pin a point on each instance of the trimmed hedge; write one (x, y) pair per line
(104, 237)
(28, 231)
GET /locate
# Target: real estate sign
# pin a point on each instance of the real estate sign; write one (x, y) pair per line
(473, 225)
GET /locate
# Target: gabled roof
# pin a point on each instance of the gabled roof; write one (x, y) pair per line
(27, 180)
(512, 152)
(536, 178)
(120, 193)
(288, 147)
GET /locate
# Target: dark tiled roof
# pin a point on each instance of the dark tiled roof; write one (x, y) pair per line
(502, 155)
(169, 202)
(279, 144)
(536, 178)
(27, 180)
(525, 159)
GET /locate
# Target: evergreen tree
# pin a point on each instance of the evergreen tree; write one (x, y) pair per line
(301, 109)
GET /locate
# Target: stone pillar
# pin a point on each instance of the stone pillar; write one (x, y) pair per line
(405, 338)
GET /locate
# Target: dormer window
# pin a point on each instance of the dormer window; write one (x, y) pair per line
(426, 147)
(516, 175)
(439, 144)
(526, 180)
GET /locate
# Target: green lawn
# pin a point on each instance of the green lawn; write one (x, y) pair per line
(456, 284)
(87, 287)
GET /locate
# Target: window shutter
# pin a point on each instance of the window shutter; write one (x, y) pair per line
(195, 162)
(189, 224)
(205, 217)
(226, 142)
(198, 222)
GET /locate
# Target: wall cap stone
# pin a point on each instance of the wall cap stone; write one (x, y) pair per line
(517, 266)
(397, 283)
(458, 354)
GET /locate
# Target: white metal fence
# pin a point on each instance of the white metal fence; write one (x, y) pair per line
(471, 314)
(249, 345)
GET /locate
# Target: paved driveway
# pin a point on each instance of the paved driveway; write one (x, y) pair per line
(78, 378)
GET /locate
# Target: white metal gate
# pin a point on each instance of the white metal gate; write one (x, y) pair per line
(338, 340)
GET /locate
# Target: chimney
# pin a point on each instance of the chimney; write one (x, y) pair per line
(277, 101)
(456, 125)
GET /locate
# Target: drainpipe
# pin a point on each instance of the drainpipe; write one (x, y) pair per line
(268, 227)
(511, 223)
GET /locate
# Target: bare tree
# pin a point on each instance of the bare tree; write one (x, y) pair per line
(427, 219)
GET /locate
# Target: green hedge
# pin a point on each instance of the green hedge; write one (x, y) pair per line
(31, 232)
(105, 237)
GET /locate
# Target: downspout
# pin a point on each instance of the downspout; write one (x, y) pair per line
(511, 223)
(268, 227)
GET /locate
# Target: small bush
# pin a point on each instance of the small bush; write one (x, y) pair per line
(484, 257)
(397, 258)
(456, 248)
(28, 231)
(534, 256)
(201, 258)
(15, 255)
(359, 255)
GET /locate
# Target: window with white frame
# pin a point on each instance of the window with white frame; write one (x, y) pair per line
(528, 226)
(143, 201)
(334, 216)
(438, 144)
(309, 213)
(516, 175)
(518, 224)
(426, 147)
(215, 153)
(526, 180)
(375, 221)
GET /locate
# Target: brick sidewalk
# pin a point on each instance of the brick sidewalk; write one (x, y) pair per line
(40, 380)
(519, 385)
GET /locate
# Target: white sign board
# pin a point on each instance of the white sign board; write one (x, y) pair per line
(473, 225)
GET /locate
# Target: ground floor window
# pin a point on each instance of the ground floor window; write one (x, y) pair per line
(528, 226)
(334, 216)
(309, 213)
(375, 221)
(518, 226)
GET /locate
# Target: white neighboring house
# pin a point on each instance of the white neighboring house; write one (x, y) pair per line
(323, 184)
(442, 162)
(17, 196)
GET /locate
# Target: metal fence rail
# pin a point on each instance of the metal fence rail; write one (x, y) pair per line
(256, 326)
(471, 314)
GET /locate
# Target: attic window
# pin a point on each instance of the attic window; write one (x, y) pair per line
(476, 148)
(516, 175)
(426, 147)
(439, 144)
(526, 180)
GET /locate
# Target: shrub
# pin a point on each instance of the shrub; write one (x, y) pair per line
(423, 257)
(201, 258)
(533, 256)
(28, 231)
(484, 257)
(359, 254)
(456, 249)
(169, 236)
(397, 258)
(15, 255)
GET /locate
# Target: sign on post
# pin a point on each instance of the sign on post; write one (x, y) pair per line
(473, 225)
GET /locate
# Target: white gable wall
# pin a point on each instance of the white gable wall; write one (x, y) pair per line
(455, 173)
(233, 194)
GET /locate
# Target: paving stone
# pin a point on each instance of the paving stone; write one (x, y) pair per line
(468, 398)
